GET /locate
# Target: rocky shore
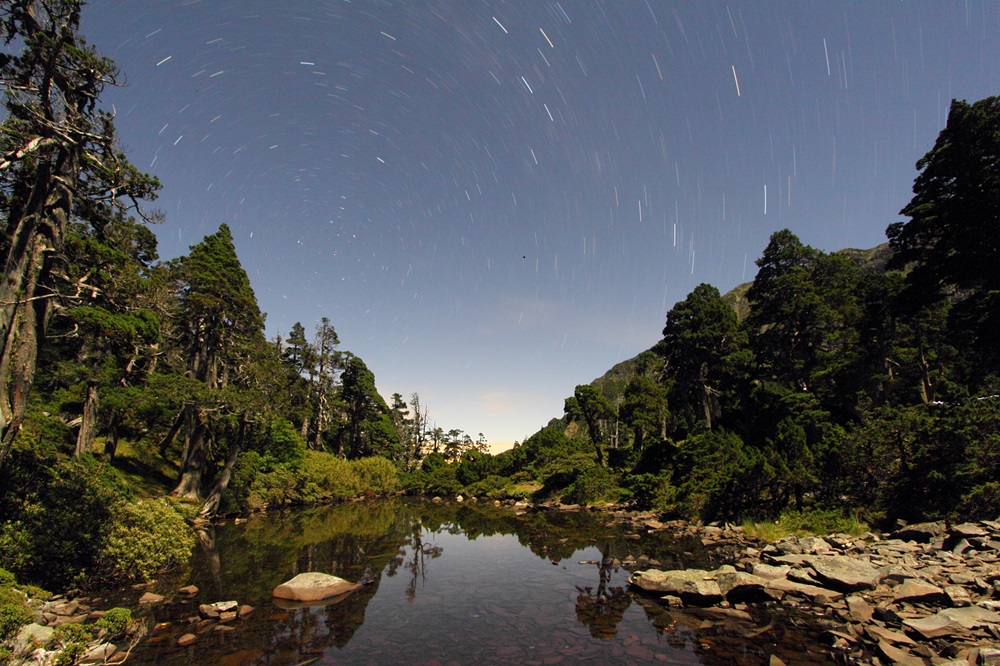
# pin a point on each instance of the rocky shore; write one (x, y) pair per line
(925, 594)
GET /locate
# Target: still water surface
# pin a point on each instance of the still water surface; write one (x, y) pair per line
(448, 584)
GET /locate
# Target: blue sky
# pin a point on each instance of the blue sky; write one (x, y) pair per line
(496, 201)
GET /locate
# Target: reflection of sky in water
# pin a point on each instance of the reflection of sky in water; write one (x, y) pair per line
(483, 599)
(487, 599)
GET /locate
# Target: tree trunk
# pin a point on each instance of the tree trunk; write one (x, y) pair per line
(211, 504)
(111, 441)
(88, 426)
(24, 313)
(169, 437)
(195, 457)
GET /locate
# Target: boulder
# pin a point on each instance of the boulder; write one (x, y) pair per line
(739, 586)
(696, 587)
(313, 586)
(769, 571)
(921, 532)
(951, 621)
(845, 574)
(919, 591)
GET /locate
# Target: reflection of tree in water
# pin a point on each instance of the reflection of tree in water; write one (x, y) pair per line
(418, 564)
(602, 609)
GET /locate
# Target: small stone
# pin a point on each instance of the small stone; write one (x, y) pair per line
(859, 609)
(244, 610)
(225, 606)
(208, 612)
(186, 639)
(189, 590)
(99, 654)
(958, 596)
(150, 598)
(989, 656)
(897, 656)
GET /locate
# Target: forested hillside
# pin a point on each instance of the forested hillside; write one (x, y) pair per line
(853, 380)
(134, 392)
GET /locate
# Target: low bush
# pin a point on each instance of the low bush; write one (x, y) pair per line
(14, 613)
(56, 515)
(593, 484)
(493, 487)
(145, 537)
(115, 621)
(325, 476)
(376, 475)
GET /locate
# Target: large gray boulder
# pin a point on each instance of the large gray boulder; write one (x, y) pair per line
(845, 574)
(696, 587)
(313, 586)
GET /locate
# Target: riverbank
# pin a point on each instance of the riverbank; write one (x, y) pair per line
(723, 594)
(927, 593)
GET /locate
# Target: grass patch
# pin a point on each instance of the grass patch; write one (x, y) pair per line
(144, 470)
(806, 523)
(523, 489)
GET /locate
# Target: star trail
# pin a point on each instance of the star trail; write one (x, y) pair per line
(496, 201)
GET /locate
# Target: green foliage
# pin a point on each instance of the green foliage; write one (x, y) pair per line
(650, 491)
(56, 515)
(475, 466)
(433, 461)
(115, 621)
(492, 487)
(14, 613)
(592, 485)
(145, 537)
(282, 444)
(442, 481)
(258, 482)
(72, 640)
(325, 477)
(720, 477)
(376, 475)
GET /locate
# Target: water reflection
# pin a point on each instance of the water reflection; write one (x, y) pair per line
(446, 583)
(602, 609)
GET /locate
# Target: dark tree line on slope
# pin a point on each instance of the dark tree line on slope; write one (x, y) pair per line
(854, 379)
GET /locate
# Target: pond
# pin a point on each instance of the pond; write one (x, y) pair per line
(450, 583)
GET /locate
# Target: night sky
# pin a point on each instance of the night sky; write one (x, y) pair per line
(496, 201)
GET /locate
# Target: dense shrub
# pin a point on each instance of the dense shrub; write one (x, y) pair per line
(14, 613)
(325, 476)
(442, 481)
(593, 484)
(376, 475)
(115, 621)
(493, 487)
(651, 491)
(273, 489)
(145, 537)
(55, 514)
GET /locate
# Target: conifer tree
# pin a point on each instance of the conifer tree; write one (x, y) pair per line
(58, 160)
